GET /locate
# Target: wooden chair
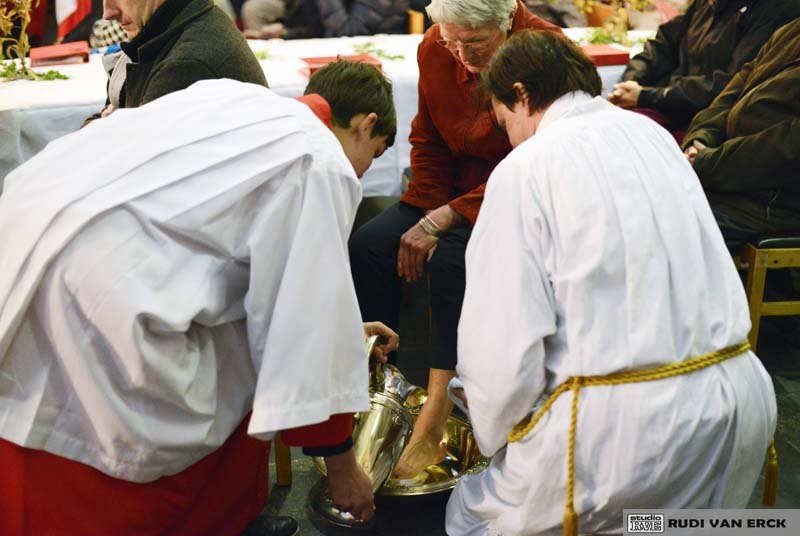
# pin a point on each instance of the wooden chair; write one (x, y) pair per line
(283, 462)
(761, 255)
(416, 22)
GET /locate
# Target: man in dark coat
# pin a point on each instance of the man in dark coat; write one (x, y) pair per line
(695, 55)
(745, 147)
(175, 43)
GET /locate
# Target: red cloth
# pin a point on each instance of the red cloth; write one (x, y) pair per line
(79, 10)
(44, 494)
(455, 145)
(334, 431)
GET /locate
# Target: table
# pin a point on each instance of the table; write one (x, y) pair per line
(35, 113)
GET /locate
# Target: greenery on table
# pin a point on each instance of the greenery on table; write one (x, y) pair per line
(262, 55)
(11, 12)
(615, 27)
(369, 47)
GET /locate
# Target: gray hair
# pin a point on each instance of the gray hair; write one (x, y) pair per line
(472, 13)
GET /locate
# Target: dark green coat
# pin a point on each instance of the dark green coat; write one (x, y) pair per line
(752, 128)
(183, 42)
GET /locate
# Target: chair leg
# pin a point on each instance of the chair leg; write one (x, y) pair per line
(283, 462)
(754, 288)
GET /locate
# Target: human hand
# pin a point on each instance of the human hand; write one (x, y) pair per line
(626, 94)
(268, 31)
(693, 150)
(349, 488)
(392, 340)
(414, 247)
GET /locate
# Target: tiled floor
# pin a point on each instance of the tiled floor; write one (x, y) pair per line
(779, 350)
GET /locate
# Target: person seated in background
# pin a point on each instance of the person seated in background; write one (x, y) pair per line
(174, 293)
(596, 270)
(563, 13)
(745, 147)
(337, 18)
(455, 144)
(173, 44)
(695, 55)
(258, 13)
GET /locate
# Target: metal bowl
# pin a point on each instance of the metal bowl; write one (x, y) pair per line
(462, 457)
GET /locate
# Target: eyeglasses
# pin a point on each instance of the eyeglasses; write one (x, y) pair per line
(478, 45)
(469, 46)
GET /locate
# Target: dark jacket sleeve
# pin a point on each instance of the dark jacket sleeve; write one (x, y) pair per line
(365, 17)
(765, 160)
(687, 95)
(708, 126)
(660, 56)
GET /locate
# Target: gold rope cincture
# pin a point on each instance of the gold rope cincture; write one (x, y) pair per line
(575, 383)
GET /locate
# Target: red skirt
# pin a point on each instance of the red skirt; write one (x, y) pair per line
(42, 494)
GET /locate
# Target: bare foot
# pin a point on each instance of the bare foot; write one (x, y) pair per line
(420, 452)
(426, 446)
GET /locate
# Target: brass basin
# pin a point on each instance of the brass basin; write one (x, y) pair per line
(462, 457)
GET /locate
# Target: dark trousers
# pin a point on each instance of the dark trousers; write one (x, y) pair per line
(741, 218)
(373, 259)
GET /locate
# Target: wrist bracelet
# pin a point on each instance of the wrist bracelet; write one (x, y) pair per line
(430, 227)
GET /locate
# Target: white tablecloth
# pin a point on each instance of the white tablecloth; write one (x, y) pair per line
(34, 113)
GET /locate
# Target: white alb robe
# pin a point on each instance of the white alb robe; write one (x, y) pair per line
(596, 252)
(171, 268)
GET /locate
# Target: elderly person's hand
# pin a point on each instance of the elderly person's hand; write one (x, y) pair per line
(390, 340)
(625, 94)
(418, 245)
(108, 110)
(693, 150)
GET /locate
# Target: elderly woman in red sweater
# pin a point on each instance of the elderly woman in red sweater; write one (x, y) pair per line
(455, 146)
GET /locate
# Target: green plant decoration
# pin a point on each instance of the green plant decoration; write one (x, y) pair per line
(11, 12)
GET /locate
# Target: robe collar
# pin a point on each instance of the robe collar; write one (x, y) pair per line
(568, 105)
(319, 106)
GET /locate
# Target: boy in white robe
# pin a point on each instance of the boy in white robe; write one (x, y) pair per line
(596, 253)
(174, 291)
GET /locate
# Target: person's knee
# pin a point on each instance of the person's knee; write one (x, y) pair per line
(447, 263)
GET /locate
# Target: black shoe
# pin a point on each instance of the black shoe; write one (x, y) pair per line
(272, 526)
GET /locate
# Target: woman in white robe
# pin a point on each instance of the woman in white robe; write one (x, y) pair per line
(596, 252)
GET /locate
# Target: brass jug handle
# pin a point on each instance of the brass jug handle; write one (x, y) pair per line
(377, 377)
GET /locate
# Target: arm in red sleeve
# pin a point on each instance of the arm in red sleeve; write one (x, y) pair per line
(469, 204)
(334, 431)
(431, 159)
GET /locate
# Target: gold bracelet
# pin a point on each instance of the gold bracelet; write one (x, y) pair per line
(429, 227)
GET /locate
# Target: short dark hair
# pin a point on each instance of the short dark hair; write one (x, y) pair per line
(548, 65)
(353, 88)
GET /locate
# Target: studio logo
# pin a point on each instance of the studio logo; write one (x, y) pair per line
(645, 523)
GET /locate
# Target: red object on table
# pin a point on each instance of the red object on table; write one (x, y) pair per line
(75, 52)
(315, 64)
(603, 55)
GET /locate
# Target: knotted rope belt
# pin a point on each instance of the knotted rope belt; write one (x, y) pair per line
(575, 383)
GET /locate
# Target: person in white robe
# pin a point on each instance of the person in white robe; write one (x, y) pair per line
(596, 253)
(176, 268)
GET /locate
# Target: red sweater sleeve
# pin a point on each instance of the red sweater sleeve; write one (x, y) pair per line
(431, 158)
(334, 431)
